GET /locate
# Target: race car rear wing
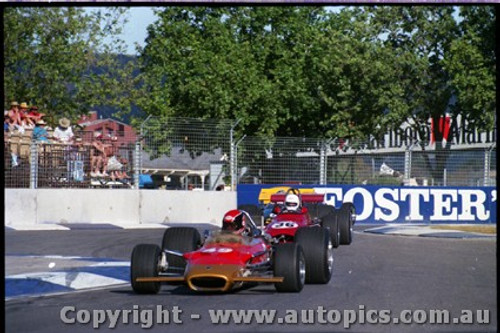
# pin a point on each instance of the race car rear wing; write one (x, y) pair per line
(309, 197)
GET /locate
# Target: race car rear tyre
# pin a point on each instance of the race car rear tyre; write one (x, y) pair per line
(318, 251)
(351, 207)
(346, 220)
(289, 263)
(180, 239)
(330, 222)
(144, 263)
(318, 210)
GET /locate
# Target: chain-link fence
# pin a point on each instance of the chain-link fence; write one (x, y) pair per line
(204, 154)
(87, 162)
(186, 153)
(319, 161)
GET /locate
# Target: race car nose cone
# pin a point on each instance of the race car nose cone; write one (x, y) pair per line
(211, 278)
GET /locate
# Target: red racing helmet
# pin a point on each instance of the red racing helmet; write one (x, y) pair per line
(234, 221)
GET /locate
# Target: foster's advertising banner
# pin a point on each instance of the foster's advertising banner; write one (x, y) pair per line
(395, 204)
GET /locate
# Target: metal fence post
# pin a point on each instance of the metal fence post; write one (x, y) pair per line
(322, 164)
(487, 165)
(407, 164)
(138, 154)
(34, 165)
(137, 163)
(232, 158)
(236, 157)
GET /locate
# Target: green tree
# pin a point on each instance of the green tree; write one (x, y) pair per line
(284, 71)
(355, 79)
(421, 38)
(199, 63)
(64, 59)
(472, 64)
(441, 61)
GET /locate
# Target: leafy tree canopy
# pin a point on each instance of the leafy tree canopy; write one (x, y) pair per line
(302, 71)
(64, 59)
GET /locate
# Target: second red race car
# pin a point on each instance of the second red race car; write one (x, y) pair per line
(291, 222)
(292, 210)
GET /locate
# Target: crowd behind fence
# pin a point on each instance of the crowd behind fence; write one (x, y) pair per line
(186, 153)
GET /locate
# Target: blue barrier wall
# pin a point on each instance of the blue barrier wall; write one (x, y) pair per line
(398, 204)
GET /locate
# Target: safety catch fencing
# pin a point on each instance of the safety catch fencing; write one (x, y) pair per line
(207, 154)
(32, 164)
(320, 161)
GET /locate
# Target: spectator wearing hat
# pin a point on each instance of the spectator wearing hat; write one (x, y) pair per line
(14, 113)
(26, 121)
(63, 133)
(34, 115)
(40, 133)
(13, 133)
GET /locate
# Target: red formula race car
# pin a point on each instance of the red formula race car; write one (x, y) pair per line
(225, 260)
(292, 211)
(290, 222)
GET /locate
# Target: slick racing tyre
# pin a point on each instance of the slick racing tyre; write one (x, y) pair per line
(330, 222)
(318, 251)
(180, 239)
(345, 218)
(318, 211)
(144, 263)
(289, 262)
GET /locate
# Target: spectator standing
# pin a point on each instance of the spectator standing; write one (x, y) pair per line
(14, 113)
(26, 121)
(63, 133)
(40, 133)
(6, 124)
(14, 135)
(34, 115)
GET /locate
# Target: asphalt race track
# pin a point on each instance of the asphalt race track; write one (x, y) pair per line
(388, 274)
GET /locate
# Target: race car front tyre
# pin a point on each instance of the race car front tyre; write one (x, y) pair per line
(346, 220)
(318, 251)
(289, 263)
(144, 263)
(180, 239)
(331, 223)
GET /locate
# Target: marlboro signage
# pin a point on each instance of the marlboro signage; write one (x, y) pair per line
(454, 131)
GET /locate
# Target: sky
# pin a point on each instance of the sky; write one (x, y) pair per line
(136, 29)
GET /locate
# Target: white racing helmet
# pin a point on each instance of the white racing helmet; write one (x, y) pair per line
(292, 202)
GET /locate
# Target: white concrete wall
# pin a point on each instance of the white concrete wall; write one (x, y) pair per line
(25, 207)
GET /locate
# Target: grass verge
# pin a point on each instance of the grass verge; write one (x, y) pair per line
(483, 229)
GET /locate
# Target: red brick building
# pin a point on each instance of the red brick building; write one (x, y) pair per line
(109, 128)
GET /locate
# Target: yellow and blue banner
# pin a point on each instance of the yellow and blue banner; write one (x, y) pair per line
(394, 204)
